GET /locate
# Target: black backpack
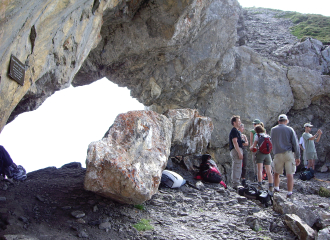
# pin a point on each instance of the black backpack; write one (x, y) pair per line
(307, 175)
(250, 192)
(265, 198)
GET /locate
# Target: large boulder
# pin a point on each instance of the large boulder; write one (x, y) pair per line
(307, 85)
(191, 132)
(127, 164)
(303, 211)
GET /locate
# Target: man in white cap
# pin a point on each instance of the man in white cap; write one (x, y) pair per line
(287, 152)
(310, 151)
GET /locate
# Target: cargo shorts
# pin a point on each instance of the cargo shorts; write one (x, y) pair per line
(286, 160)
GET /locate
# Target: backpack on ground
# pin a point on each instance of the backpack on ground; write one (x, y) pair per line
(250, 192)
(212, 175)
(171, 179)
(307, 175)
(265, 198)
(265, 143)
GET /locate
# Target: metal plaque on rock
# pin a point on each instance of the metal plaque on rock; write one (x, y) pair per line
(16, 70)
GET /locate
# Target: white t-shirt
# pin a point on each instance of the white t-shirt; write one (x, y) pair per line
(302, 142)
(256, 138)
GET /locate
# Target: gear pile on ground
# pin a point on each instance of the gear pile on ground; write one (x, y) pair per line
(52, 204)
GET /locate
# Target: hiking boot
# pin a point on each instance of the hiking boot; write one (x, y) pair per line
(275, 190)
(289, 197)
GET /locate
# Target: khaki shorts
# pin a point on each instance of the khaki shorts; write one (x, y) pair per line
(286, 160)
(311, 156)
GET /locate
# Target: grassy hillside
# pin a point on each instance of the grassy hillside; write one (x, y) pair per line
(309, 25)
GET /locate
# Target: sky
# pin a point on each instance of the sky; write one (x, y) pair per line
(316, 6)
(60, 130)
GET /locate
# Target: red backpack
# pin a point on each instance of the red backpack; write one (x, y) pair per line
(265, 144)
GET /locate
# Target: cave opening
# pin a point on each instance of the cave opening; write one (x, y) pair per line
(60, 130)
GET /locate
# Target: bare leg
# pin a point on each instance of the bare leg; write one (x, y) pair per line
(269, 173)
(277, 180)
(259, 167)
(313, 164)
(290, 182)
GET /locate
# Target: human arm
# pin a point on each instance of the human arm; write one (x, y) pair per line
(254, 145)
(319, 133)
(251, 138)
(317, 136)
(246, 142)
(295, 145)
(235, 143)
(301, 147)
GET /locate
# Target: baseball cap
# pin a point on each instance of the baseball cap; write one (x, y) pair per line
(282, 117)
(256, 121)
(308, 125)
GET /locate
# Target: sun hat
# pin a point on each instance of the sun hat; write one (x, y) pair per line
(256, 121)
(282, 117)
(308, 125)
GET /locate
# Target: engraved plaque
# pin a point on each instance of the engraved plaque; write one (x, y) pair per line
(16, 70)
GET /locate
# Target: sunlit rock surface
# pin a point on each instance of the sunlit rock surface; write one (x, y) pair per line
(127, 164)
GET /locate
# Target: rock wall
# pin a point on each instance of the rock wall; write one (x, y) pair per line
(171, 54)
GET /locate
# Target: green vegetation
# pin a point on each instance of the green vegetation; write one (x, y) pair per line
(324, 192)
(309, 25)
(143, 225)
(140, 206)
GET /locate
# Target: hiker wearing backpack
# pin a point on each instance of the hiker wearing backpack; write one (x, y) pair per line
(245, 144)
(264, 145)
(287, 152)
(236, 151)
(310, 151)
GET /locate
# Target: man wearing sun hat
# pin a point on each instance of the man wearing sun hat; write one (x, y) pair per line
(310, 151)
(287, 152)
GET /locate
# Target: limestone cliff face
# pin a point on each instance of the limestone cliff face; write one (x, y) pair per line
(52, 39)
(171, 54)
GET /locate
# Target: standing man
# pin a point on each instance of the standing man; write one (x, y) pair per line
(287, 152)
(310, 151)
(236, 151)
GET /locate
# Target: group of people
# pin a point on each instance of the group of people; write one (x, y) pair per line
(285, 148)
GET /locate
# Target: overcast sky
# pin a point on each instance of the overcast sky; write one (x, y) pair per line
(60, 130)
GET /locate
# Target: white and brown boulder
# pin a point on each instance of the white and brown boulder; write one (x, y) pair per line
(191, 131)
(127, 164)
